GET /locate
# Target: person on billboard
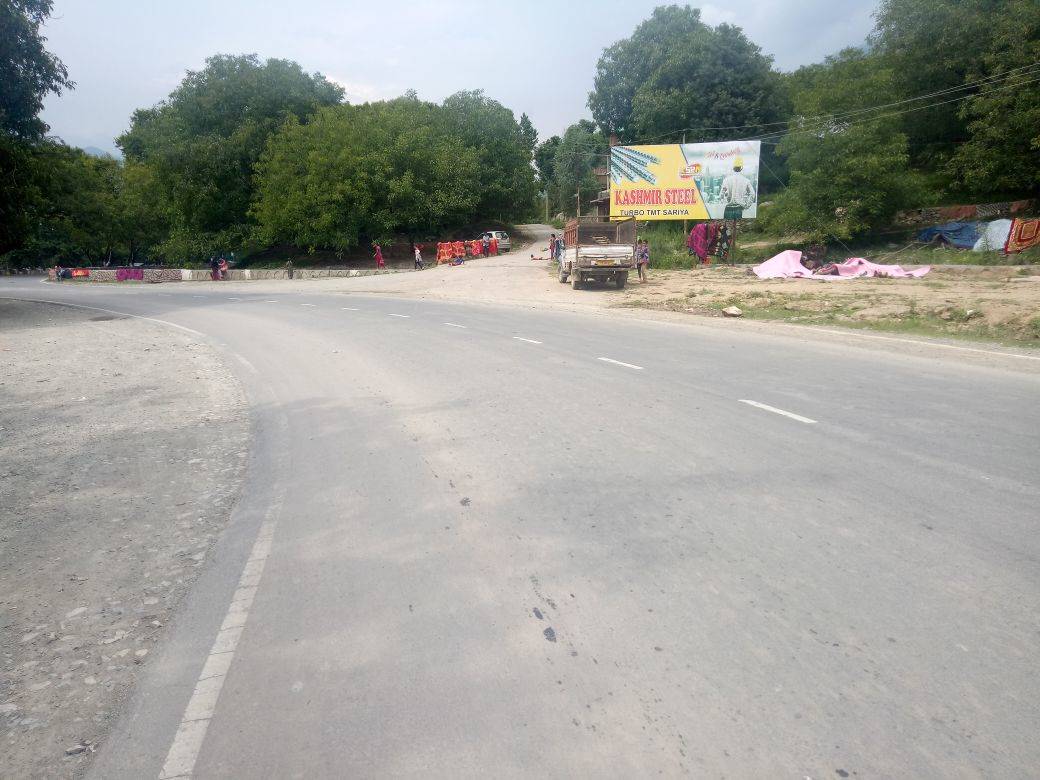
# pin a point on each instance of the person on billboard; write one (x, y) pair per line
(738, 193)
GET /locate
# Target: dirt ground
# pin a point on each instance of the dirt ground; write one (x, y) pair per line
(122, 447)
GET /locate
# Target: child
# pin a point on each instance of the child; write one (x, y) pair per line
(419, 265)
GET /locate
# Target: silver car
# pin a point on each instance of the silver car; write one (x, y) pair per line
(504, 244)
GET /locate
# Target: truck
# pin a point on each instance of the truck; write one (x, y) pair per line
(598, 248)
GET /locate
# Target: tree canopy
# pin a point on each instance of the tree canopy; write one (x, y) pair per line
(675, 72)
(205, 139)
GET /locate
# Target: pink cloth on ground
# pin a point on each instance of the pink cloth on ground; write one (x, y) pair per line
(788, 265)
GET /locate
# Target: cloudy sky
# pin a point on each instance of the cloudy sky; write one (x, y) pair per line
(537, 56)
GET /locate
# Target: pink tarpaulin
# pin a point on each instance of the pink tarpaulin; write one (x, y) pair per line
(788, 265)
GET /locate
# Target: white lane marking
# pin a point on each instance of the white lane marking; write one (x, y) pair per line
(454, 325)
(245, 363)
(402, 316)
(198, 296)
(349, 308)
(993, 352)
(108, 311)
(774, 410)
(271, 301)
(529, 341)
(234, 299)
(180, 760)
(308, 304)
(619, 363)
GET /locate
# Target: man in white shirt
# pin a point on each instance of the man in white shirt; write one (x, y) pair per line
(738, 193)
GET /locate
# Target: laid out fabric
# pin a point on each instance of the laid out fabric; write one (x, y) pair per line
(788, 265)
(993, 236)
(962, 235)
(1025, 233)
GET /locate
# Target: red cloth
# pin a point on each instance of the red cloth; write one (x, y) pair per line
(700, 239)
(1025, 233)
(494, 246)
(458, 249)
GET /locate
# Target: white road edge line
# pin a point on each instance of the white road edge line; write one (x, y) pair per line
(402, 316)
(454, 325)
(619, 363)
(859, 334)
(180, 759)
(774, 410)
(108, 311)
(529, 341)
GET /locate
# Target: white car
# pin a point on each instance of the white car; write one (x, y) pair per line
(504, 244)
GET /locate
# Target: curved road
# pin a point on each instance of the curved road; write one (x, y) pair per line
(481, 540)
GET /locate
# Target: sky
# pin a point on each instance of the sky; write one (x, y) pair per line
(534, 56)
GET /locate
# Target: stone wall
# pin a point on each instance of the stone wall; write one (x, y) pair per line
(151, 275)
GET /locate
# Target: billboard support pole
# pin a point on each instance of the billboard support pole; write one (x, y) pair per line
(685, 227)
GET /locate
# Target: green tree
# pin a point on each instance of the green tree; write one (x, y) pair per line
(582, 149)
(847, 176)
(205, 139)
(507, 179)
(362, 172)
(676, 72)
(28, 73)
(1002, 153)
(545, 159)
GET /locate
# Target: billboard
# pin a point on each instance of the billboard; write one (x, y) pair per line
(685, 181)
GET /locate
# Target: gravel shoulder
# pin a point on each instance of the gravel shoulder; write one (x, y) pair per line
(122, 450)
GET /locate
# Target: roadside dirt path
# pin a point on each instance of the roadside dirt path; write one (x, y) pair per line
(122, 447)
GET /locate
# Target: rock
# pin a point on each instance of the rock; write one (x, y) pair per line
(732, 311)
(75, 750)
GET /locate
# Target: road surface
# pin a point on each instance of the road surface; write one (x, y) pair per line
(491, 541)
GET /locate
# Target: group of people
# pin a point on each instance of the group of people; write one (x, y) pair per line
(710, 239)
(218, 268)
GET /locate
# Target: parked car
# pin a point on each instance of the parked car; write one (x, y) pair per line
(504, 244)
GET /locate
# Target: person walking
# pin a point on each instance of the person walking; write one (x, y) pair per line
(642, 258)
(419, 265)
(378, 254)
(289, 268)
(552, 247)
(214, 268)
(223, 268)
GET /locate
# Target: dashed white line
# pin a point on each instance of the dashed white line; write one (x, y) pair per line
(619, 363)
(234, 299)
(180, 760)
(349, 308)
(271, 301)
(774, 410)
(308, 304)
(454, 325)
(529, 341)
(402, 316)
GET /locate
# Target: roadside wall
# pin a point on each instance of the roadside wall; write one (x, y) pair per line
(203, 275)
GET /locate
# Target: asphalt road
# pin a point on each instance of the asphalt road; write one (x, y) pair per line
(493, 541)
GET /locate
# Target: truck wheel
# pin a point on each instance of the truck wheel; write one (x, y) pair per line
(621, 280)
(576, 280)
(562, 274)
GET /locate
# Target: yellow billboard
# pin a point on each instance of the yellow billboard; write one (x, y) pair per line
(685, 181)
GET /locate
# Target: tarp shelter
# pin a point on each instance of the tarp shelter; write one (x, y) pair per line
(962, 235)
(993, 236)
